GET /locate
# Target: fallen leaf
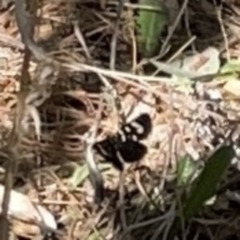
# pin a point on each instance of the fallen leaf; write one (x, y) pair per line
(20, 207)
(233, 87)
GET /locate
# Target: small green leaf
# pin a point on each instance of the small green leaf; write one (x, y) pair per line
(232, 66)
(185, 171)
(79, 175)
(204, 188)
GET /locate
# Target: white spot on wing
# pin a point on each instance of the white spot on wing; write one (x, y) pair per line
(138, 127)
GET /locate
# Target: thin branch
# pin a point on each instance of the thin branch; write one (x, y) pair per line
(94, 172)
(115, 35)
(25, 11)
(176, 22)
(12, 148)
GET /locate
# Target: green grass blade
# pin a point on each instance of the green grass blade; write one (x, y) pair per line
(208, 180)
(204, 187)
(150, 24)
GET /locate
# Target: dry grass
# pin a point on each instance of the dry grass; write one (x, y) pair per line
(78, 37)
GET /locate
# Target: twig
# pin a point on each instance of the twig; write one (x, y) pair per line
(109, 88)
(94, 172)
(9, 176)
(12, 147)
(117, 74)
(187, 25)
(134, 51)
(226, 42)
(25, 11)
(164, 218)
(80, 38)
(176, 54)
(26, 28)
(166, 42)
(115, 35)
(121, 199)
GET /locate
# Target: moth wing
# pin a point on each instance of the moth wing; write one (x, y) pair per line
(131, 151)
(139, 127)
(108, 150)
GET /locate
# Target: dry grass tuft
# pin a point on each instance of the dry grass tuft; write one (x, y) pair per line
(77, 35)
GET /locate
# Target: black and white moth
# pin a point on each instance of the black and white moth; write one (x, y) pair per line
(125, 145)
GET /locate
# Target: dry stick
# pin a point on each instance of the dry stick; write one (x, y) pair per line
(166, 42)
(11, 41)
(226, 42)
(121, 76)
(189, 33)
(142, 79)
(9, 175)
(176, 54)
(12, 148)
(89, 57)
(109, 87)
(121, 199)
(95, 175)
(26, 19)
(136, 6)
(26, 28)
(94, 172)
(134, 51)
(25, 11)
(164, 218)
(169, 157)
(91, 223)
(91, 163)
(181, 49)
(80, 38)
(115, 35)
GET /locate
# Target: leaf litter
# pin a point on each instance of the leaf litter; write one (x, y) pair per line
(190, 117)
